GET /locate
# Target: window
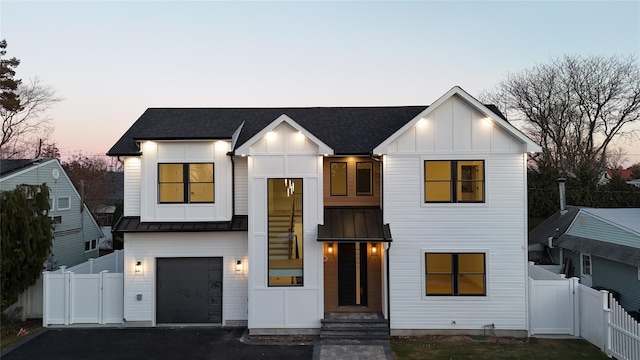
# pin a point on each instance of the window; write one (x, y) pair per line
(90, 245)
(364, 178)
(64, 203)
(285, 232)
(338, 178)
(56, 219)
(586, 264)
(186, 183)
(455, 274)
(454, 181)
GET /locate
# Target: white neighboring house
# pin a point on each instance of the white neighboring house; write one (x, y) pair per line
(76, 234)
(274, 217)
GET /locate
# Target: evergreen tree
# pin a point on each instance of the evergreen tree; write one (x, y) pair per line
(25, 234)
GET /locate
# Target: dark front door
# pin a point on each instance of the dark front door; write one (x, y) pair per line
(352, 274)
(189, 290)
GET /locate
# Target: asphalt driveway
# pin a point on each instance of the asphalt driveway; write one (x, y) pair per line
(150, 343)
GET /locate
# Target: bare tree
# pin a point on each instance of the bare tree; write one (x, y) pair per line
(574, 107)
(22, 129)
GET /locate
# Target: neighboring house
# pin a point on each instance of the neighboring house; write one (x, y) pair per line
(76, 234)
(274, 217)
(624, 174)
(104, 213)
(600, 246)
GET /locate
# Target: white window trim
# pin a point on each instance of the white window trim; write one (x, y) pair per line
(456, 157)
(58, 203)
(90, 248)
(582, 255)
(448, 298)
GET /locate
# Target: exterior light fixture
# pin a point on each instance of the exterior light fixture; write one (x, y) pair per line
(138, 267)
(330, 248)
(270, 135)
(487, 121)
(300, 135)
(238, 266)
(374, 249)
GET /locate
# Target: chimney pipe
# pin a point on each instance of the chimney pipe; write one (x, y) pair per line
(563, 198)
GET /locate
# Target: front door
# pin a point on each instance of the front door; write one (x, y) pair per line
(352, 274)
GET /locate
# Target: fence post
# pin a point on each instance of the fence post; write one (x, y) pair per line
(606, 332)
(91, 266)
(575, 288)
(45, 279)
(67, 296)
(101, 297)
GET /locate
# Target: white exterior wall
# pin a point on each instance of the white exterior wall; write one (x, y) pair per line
(498, 227)
(132, 185)
(241, 181)
(285, 154)
(147, 247)
(185, 152)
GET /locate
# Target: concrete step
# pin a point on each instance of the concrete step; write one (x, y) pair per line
(354, 329)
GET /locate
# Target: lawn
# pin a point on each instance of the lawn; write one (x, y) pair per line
(464, 347)
(9, 330)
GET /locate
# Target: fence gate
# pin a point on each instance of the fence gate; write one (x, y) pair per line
(551, 307)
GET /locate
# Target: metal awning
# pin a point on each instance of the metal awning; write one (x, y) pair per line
(130, 224)
(351, 224)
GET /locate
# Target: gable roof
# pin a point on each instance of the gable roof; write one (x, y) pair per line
(625, 174)
(557, 225)
(347, 130)
(10, 166)
(489, 111)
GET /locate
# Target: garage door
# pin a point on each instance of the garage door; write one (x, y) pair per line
(189, 290)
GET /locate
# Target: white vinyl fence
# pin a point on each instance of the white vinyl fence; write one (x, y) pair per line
(85, 294)
(560, 306)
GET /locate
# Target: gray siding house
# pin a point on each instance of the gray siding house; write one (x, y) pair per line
(76, 234)
(600, 246)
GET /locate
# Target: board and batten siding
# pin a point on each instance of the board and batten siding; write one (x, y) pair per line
(147, 247)
(241, 181)
(76, 226)
(284, 308)
(132, 185)
(497, 227)
(154, 153)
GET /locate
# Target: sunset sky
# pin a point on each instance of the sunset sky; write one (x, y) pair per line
(111, 60)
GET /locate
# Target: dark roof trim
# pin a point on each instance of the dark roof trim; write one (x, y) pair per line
(620, 253)
(353, 224)
(132, 224)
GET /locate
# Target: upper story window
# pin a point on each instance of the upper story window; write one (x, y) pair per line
(186, 183)
(338, 178)
(456, 274)
(454, 181)
(364, 178)
(64, 203)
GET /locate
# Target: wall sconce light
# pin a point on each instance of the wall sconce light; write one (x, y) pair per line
(238, 266)
(330, 248)
(138, 267)
(374, 249)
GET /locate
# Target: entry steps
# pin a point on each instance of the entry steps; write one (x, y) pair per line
(350, 326)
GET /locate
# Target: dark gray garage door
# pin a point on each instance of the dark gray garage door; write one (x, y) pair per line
(189, 290)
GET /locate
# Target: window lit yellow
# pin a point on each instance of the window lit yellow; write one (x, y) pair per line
(170, 173)
(338, 178)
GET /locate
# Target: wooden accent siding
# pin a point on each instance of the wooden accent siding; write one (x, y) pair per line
(351, 199)
(374, 280)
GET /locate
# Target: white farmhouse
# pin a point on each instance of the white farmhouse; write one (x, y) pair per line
(277, 218)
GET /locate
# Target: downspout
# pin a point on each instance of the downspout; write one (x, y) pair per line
(388, 247)
(233, 186)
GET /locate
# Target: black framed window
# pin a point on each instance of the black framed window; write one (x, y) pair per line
(454, 181)
(455, 274)
(186, 183)
(364, 179)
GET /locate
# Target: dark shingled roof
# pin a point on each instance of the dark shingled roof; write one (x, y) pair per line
(8, 166)
(350, 224)
(348, 130)
(131, 224)
(556, 226)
